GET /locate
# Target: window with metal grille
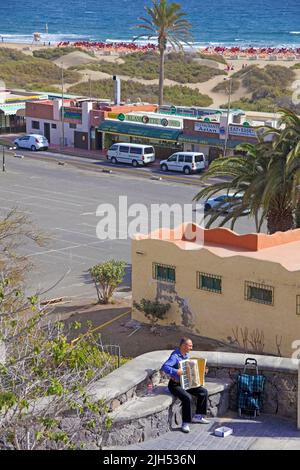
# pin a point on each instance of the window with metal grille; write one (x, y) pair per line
(298, 304)
(210, 282)
(35, 124)
(259, 293)
(162, 272)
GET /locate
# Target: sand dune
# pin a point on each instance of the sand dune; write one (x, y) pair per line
(80, 57)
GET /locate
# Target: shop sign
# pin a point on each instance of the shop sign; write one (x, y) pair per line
(69, 114)
(153, 120)
(242, 131)
(113, 115)
(207, 127)
(145, 119)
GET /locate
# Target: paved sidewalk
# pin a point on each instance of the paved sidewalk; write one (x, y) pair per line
(264, 432)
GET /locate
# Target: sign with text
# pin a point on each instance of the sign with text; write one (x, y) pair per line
(69, 113)
(146, 119)
(242, 131)
(156, 121)
(207, 127)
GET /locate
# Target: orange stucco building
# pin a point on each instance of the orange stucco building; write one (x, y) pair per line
(222, 285)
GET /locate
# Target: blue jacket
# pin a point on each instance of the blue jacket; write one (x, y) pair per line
(171, 366)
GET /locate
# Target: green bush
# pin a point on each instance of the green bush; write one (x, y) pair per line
(262, 105)
(215, 57)
(53, 53)
(23, 71)
(177, 95)
(107, 276)
(224, 86)
(153, 310)
(270, 87)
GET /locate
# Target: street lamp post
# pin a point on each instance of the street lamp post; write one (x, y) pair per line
(62, 108)
(3, 156)
(227, 119)
(90, 87)
(228, 110)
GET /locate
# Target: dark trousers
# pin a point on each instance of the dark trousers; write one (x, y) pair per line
(186, 397)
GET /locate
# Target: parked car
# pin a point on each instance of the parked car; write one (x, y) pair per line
(224, 203)
(135, 154)
(185, 162)
(32, 141)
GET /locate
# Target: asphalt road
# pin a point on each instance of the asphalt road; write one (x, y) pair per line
(62, 201)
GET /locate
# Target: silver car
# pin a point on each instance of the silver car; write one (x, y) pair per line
(32, 142)
(224, 203)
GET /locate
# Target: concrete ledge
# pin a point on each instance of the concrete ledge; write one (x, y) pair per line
(143, 406)
(150, 416)
(136, 371)
(160, 400)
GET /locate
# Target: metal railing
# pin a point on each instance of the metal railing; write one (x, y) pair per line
(112, 350)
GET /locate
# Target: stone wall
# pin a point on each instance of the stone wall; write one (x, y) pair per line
(280, 392)
(128, 384)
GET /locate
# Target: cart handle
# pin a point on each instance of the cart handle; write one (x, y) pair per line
(250, 360)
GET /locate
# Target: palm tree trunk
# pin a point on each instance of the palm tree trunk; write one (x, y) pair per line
(161, 75)
(280, 221)
(297, 214)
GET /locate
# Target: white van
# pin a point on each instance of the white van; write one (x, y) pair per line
(135, 154)
(186, 162)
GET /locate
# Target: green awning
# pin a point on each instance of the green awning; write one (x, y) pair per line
(135, 130)
(211, 141)
(10, 109)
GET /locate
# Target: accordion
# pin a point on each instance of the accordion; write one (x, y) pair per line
(193, 373)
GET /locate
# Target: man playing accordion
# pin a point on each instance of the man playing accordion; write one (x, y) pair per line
(172, 368)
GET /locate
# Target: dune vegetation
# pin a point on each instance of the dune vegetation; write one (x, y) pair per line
(182, 68)
(134, 91)
(19, 70)
(52, 53)
(270, 88)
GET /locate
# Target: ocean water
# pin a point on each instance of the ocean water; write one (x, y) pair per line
(226, 22)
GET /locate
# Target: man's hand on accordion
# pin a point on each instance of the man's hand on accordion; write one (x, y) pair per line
(179, 372)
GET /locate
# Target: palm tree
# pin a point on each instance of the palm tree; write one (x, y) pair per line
(268, 176)
(288, 141)
(166, 22)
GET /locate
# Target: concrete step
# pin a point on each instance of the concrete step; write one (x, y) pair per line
(149, 416)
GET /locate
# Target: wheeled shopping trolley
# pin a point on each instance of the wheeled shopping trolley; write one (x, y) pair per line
(250, 389)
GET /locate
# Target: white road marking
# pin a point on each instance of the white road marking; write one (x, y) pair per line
(57, 192)
(74, 285)
(88, 225)
(74, 231)
(30, 196)
(65, 248)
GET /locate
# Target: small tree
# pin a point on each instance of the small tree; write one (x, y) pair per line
(44, 377)
(153, 310)
(107, 277)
